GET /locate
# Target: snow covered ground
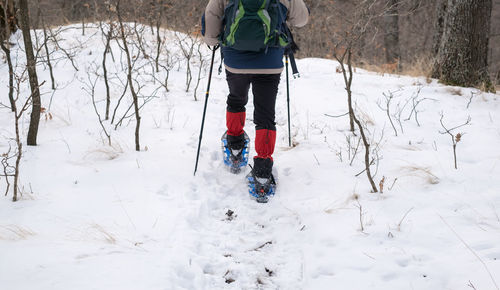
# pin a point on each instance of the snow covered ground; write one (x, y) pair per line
(94, 216)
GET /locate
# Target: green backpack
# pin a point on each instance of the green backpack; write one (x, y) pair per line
(254, 25)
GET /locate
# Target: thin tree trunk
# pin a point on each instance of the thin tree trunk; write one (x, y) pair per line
(367, 154)
(106, 50)
(18, 160)
(360, 126)
(348, 82)
(158, 37)
(349, 91)
(31, 66)
(45, 44)
(83, 25)
(49, 63)
(11, 75)
(348, 78)
(5, 31)
(130, 81)
(158, 45)
(391, 36)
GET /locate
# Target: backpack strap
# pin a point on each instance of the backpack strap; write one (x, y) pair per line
(236, 7)
(268, 4)
(292, 47)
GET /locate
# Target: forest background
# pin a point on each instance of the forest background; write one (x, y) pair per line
(415, 32)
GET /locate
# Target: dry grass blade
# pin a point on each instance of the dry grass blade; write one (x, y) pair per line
(15, 233)
(423, 172)
(472, 251)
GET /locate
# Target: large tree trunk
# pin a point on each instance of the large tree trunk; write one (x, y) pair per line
(31, 65)
(462, 59)
(391, 36)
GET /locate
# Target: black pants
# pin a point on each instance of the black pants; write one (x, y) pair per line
(264, 88)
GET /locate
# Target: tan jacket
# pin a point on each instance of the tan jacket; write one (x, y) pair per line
(298, 15)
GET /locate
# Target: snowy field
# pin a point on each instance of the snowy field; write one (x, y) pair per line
(94, 216)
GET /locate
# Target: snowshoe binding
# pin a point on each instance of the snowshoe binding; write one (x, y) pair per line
(261, 188)
(235, 150)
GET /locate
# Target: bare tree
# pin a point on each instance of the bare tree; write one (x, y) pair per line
(416, 26)
(90, 85)
(8, 24)
(455, 138)
(54, 35)
(389, 96)
(107, 49)
(129, 77)
(201, 60)
(347, 43)
(368, 162)
(160, 7)
(348, 76)
(31, 66)
(9, 170)
(46, 46)
(187, 43)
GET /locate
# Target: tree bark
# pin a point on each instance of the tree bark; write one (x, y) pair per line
(8, 21)
(462, 59)
(31, 66)
(439, 26)
(6, 50)
(391, 36)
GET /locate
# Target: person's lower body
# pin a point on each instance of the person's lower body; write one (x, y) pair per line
(265, 90)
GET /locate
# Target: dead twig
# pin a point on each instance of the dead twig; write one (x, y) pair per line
(454, 138)
(263, 245)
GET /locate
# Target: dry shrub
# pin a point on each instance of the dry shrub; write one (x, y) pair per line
(422, 172)
(382, 69)
(420, 66)
(102, 234)
(454, 91)
(365, 117)
(15, 233)
(105, 153)
(487, 87)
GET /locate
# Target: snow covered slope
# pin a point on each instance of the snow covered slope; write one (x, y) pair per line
(94, 216)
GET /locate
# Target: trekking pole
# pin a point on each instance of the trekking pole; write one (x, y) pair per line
(288, 101)
(205, 108)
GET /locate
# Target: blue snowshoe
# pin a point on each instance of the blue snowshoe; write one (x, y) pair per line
(261, 188)
(235, 150)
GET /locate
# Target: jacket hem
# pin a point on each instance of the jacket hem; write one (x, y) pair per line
(266, 71)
